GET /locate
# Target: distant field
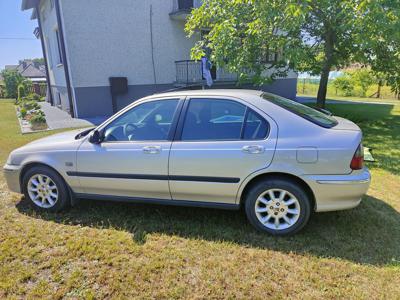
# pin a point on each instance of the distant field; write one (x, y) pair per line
(310, 88)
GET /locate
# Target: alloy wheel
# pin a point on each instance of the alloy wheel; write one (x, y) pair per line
(277, 209)
(42, 190)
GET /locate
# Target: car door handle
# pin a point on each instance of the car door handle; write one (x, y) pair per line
(152, 149)
(253, 149)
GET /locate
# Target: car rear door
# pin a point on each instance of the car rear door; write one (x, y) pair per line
(218, 143)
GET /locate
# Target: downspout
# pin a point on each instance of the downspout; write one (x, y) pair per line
(152, 47)
(44, 55)
(64, 56)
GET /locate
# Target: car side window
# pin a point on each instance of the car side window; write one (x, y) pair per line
(144, 122)
(255, 126)
(220, 119)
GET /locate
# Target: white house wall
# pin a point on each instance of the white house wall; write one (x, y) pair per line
(56, 71)
(113, 39)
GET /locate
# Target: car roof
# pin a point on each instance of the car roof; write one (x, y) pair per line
(238, 93)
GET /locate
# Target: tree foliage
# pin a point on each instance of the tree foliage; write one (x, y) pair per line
(11, 81)
(363, 78)
(14, 81)
(357, 80)
(344, 84)
(313, 36)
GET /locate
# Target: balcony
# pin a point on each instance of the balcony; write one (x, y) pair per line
(182, 8)
(189, 72)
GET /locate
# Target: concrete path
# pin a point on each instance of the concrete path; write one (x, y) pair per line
(58, 119)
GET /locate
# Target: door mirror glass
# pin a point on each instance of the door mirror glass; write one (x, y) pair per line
(95, 137)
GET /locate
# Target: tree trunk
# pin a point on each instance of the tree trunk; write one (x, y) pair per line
(328, 51)
(323, 88)
(378, 92)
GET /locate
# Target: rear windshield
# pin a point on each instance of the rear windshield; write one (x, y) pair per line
(301, 110)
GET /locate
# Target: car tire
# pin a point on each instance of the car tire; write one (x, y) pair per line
(45, 189)
(264, 206)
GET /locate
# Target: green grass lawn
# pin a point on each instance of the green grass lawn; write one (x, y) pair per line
(391, 101)
(111, 250)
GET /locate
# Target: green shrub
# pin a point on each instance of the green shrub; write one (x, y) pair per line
(23, 112)
(33, 97)
(29, 105)
(11, 81)
(21, 92)
(344, 84)
(38, 117)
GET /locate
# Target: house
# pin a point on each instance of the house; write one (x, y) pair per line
(103, 54)
(33, 71)
(30, 70)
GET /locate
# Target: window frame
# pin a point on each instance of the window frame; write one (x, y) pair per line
(60, 60)
(248, 109)
(172, 129)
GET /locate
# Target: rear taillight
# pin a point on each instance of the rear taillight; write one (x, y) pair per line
(357, 162)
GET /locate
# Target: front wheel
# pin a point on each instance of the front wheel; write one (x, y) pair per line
(278, 206)
(45, 189)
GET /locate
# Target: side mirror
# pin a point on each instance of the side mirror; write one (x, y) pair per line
(95, 137)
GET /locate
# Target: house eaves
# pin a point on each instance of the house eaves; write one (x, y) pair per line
(30, 4)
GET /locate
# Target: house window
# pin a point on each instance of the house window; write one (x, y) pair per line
(58, 99)
(59, 56)
(49, 52)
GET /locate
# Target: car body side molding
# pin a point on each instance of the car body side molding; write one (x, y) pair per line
(156, 177)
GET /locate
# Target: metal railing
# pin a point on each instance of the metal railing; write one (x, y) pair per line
(190, 72)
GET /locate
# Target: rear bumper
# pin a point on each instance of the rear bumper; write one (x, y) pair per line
(339, 192)
(11, 174)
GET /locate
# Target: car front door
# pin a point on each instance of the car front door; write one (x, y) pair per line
(132, 159)
(218, 143)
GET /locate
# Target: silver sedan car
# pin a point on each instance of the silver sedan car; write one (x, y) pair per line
(276, 158)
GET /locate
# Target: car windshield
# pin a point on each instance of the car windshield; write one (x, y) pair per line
(304, 111)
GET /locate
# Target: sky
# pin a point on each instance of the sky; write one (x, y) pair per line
(16, 34)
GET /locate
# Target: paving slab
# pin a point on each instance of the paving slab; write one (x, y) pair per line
(59, 119)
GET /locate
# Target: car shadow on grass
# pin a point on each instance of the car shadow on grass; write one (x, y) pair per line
(368, 234)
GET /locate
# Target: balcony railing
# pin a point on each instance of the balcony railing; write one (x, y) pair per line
(189, 72)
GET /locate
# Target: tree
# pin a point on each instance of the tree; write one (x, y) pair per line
(313, 36)
(363, 78)
(344, 84)
(11, 81)
(36, 61)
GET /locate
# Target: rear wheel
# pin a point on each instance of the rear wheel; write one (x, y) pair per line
(45, 189)
(278, 206)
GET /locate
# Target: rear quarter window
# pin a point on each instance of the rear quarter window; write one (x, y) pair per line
(301, 110)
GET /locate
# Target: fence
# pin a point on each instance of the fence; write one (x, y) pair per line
(38, 88)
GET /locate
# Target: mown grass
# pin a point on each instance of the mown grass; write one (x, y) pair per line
(110, 250)
(392, 101)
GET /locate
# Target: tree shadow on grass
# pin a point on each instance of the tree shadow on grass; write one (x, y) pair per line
(368, 234)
